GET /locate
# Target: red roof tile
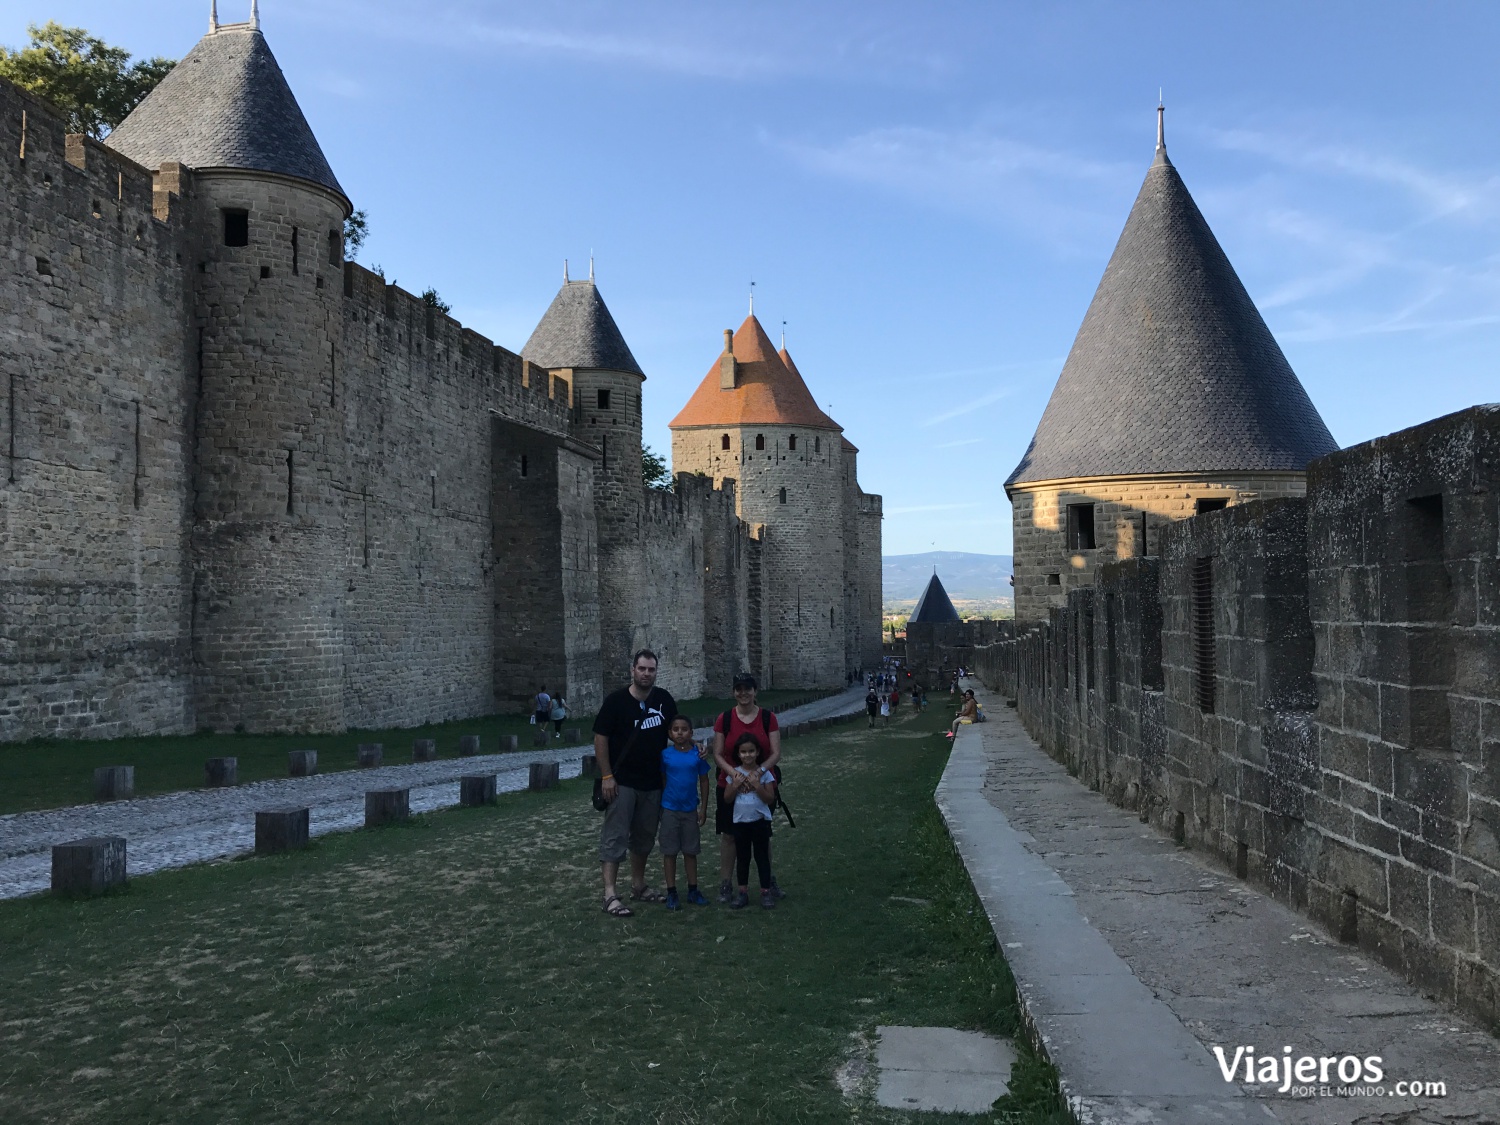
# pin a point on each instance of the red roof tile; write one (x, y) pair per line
(768, 390)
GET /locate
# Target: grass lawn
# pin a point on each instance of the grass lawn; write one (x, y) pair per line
(459, 969)
(51, 773)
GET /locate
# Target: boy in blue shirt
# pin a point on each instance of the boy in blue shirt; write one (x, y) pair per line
(684, 807)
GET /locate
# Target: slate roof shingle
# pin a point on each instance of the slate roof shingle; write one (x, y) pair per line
(225, 105)
(768, 390)
(578, 331)
(1173, 369)
(934, 606)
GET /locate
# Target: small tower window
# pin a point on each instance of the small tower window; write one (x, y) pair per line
(723, 441)
(236, 227)
(296, 250)
(782, 496)
(1209, 504)
(333, 248)
(603, 399)
(791, 443)
(1080, 527)
(523, 464)
(817, 444)
(760, 441)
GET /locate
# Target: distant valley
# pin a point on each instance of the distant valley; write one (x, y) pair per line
(978, 584)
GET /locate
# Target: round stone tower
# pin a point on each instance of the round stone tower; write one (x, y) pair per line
(1174, 400)
(753, 420)
(578, 340)
(268, 538)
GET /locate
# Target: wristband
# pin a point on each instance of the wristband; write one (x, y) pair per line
(607, 777)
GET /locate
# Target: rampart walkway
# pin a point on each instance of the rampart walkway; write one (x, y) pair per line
(1135, 958)
(198, 825)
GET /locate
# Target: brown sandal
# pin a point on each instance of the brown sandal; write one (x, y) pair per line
(615, 908)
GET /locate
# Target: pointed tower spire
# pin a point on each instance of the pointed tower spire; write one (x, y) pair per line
(254, 15)
(783, 335)
(1161, 131)
(752, 298)
(591, 265)
(565, 271)
(213, 16)
(578, 331)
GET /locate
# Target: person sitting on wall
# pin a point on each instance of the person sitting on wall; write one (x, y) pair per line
(630, 732)
(967, 714)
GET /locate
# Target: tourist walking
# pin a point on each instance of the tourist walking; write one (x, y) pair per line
(752, 792)
(630, 733)
(872, 704)
(684, 807)
(559, 713)
(541, 708)
(746, 717)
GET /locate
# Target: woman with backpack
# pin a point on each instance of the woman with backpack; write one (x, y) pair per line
(746, 717)
(559, 714)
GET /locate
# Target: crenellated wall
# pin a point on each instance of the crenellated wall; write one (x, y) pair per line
(1310, 689)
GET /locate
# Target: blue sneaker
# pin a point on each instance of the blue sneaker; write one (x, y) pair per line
(695, 896)
(672, 900)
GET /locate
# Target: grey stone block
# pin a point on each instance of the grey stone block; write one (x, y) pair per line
(386, 806)
(371, 754)
(302, 763)
(424, 750)
(280, 830)
(543, 775)
(510, 743)
(468, 745)
(219, 773)
(475, 789)
(114, 783)
(89, 866)
(589, 767)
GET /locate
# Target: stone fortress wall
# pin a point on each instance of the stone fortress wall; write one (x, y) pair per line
(256, 487)
(1309, 688)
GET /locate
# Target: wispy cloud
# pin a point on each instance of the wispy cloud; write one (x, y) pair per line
(968, 406)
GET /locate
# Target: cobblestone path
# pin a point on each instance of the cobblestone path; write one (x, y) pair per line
(198, 825)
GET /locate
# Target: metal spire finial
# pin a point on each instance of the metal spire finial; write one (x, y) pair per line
(565, 271)
(752, 298)
(783, 335)
(213, 16)
(1161, 122)
(254, 15)
(591, 265)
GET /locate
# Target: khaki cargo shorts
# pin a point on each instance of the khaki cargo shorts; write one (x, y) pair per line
(630, 821)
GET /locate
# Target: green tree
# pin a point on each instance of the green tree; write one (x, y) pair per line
(654, 471)
(356, 230)
(430, 297)
(92, 83)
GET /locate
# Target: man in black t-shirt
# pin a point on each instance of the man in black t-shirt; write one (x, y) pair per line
(630, 732)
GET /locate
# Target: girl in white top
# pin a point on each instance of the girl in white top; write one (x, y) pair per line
(751, 789)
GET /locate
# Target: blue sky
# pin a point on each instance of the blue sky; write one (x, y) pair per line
(926, 193)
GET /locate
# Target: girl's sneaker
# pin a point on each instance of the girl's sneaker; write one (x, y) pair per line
(726, 891)
(673, 902)
(768, 898)
(776, 889)
(741, 901)
(695, 897)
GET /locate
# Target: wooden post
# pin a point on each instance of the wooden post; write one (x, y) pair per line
(280, 830)
(301, 763)
(386, 806)
(475, 789)
(510, 743)
(221, 772)
(89, 866)
(371, 754)
(468, 745)
(424, 750)
(543, 775)
(540, 737)
(114, 783)
(590, 766)
(573, 736)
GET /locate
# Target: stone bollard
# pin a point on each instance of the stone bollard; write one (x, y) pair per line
(114, 783)
(540, 737)
(89, 866)
(468, 745)
(589, 766)
(280, 830)
(510, 743)
(221, 772)
(573, 735)
(475, 789)
(386, 806)
(424, 750)
(371, 754)
(301, 763)
(543, 775)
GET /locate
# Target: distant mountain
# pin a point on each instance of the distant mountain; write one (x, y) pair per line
(963, 575)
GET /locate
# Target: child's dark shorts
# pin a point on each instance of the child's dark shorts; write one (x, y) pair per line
(679, 833)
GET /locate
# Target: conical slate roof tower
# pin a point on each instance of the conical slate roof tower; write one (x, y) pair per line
(1173, 369)
(578, 331)
(226, 106)
(1175, 400)
(934, 607)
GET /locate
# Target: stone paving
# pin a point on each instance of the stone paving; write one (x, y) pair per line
(1134, 958)
(200, 825)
